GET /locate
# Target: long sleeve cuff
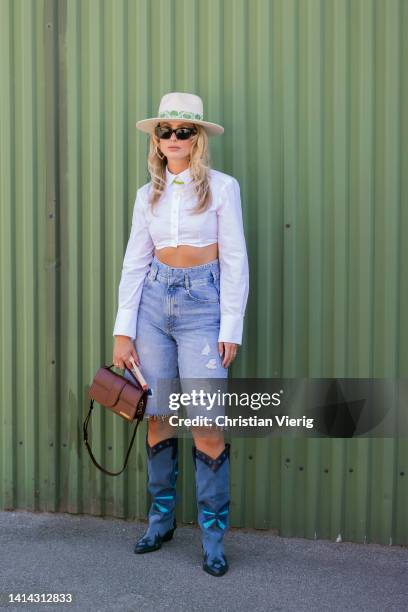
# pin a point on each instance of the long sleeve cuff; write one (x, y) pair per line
(125, 324)
(231, 328)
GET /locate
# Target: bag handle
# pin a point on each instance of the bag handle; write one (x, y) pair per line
(85, 432)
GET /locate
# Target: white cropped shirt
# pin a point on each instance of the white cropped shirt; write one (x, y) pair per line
(171, 225)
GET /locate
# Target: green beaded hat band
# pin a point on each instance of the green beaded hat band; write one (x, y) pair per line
(183, 106)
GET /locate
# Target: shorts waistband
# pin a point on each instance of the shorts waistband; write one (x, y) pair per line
(158, 269)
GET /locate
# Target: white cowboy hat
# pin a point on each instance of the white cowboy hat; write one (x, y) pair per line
(176, 105)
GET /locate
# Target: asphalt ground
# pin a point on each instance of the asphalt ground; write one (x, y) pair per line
(92, 558)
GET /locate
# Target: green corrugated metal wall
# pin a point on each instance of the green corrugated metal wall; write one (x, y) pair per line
(314, 99)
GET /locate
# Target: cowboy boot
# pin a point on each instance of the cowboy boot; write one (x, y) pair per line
(213, 499)
(162, 469)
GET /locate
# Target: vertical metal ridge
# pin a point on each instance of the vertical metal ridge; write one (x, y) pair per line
(73, 482)
(50, 425)
(9, 353)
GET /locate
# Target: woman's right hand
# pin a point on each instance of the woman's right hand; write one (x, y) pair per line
(123, 349)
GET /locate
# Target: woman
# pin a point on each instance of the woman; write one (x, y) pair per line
(182, 299)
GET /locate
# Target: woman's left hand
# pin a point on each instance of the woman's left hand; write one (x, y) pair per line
(230, 351)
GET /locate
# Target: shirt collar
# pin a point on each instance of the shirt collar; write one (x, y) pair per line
(184, 176)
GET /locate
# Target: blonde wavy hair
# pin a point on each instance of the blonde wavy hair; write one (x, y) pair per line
(199, 168)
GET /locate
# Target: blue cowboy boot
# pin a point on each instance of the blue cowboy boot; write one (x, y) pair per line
(213, 499)
(162, 468)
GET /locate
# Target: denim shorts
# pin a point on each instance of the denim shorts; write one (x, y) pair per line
(177, 340)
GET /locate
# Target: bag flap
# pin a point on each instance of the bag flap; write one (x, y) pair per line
(108, 387)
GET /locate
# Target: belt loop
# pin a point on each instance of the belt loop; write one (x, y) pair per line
(186, 281)
(214, 275)
(155, 272)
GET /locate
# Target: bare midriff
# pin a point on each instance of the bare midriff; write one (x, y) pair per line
(186, 256)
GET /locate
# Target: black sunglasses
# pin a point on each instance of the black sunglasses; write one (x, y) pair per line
(182, 133)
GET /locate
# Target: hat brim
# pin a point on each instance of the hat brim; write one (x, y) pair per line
(148, 125)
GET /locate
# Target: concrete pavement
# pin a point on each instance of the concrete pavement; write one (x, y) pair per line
(93, 559)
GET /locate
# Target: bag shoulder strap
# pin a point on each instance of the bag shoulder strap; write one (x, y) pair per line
(85, 432)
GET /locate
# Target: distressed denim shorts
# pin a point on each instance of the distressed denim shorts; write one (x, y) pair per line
(177, 340)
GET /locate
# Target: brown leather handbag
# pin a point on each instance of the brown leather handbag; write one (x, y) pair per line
(124, 398)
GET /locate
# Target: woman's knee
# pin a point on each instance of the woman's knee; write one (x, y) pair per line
(159, 429)
(209, 440)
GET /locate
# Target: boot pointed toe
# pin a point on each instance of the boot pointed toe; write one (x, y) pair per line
(215, 567)
(146, 544)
